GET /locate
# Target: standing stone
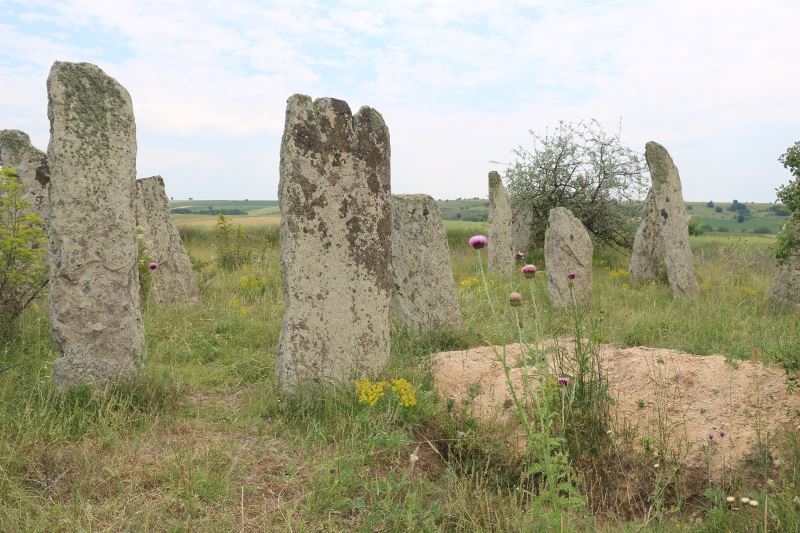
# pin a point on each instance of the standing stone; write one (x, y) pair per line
(424, 296)
(521, 224)
(336, 246)
(94, 282)
(786, 289)
(174, 281)
(501, 251)
(663, 235)
(648, 253)
(30, 163)
(567, 248)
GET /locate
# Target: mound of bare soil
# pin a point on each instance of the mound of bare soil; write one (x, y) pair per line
(708, 409)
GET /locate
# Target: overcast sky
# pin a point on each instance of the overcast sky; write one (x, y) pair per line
(459, 83)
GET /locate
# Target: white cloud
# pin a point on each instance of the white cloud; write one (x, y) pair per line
(460, 82)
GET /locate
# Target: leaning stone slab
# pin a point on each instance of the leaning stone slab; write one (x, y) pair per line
(567, 249)
(93, 293)
(336, 247)
(786, 289)
(424, 296)
(173, 281)
(521, 224)
(670, 243)
(648, 253)
(30, 163)
(500, 247)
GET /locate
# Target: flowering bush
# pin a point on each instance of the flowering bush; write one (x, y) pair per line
(23, 271)
(370, 393)
(252, 284)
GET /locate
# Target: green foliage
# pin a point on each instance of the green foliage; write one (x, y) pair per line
(582, 168)
(788, 241)
(695, 228)
(233, 248)
(23, 270)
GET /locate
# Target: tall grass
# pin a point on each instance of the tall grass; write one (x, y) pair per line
(203, 442)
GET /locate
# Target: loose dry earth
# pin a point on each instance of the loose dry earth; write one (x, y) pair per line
(682, 399)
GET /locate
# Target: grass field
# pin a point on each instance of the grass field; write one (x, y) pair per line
(763, 220)
(203, 443)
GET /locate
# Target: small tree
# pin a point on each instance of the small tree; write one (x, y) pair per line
(23, 271)
(586, 170)
(788, 241)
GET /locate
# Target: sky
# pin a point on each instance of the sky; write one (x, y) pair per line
(460, 83)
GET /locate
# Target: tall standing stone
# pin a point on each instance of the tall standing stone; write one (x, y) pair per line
(424, 296)
(501, 251)
(94, 283)
(648, 253)
(335, 243)
(30, 163)
(786, 289)
(521, 224)
(173, 281)
(567, 249)
(663, 235)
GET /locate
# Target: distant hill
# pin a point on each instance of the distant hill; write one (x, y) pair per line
(714, 217)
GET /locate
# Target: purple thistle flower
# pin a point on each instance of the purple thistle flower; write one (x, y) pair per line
(529, 271)
(519, 256)
(478, 241)
(515, 299)
(153, 265)
(572, 275)
(564, 381)
(710, 436)
(722, 434)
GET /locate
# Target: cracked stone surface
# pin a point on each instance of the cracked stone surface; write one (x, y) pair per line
(567, 248)
(500, 247)
(424, 296)
(663, 235)
(95, 318)
(336, 249)
(30, 163)
(174, 281)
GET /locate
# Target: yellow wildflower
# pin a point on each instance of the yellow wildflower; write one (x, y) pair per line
(369, 393)
(468, 282)
(404, 391)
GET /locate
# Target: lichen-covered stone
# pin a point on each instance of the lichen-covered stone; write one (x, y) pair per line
(521, 224)
(786, 289)
(500, 247)
(567, 249)
(336, 250)
(648, 253)
(663, 235)
(95, 318)
(424, 296)
(173, 281)
(30, 163)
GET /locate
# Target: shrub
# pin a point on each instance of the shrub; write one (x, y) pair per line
(233, 250)
(695, 228)
(788, 242)
(718, 209)
(23, 271)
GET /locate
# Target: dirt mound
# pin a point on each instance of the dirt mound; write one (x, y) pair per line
(707, 408)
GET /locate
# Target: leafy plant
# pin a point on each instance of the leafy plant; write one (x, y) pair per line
(233, 250)
(23, 271)
(788, 241)
(581, 167)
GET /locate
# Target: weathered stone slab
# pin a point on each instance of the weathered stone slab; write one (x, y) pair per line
(663, 235)
(94, 283)
(424, 296)
(335, 243)
(521, 224)
(786, 289)
(648, 253)
(173, 281)
(500, 247)
(30, 163)
(567, 249)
